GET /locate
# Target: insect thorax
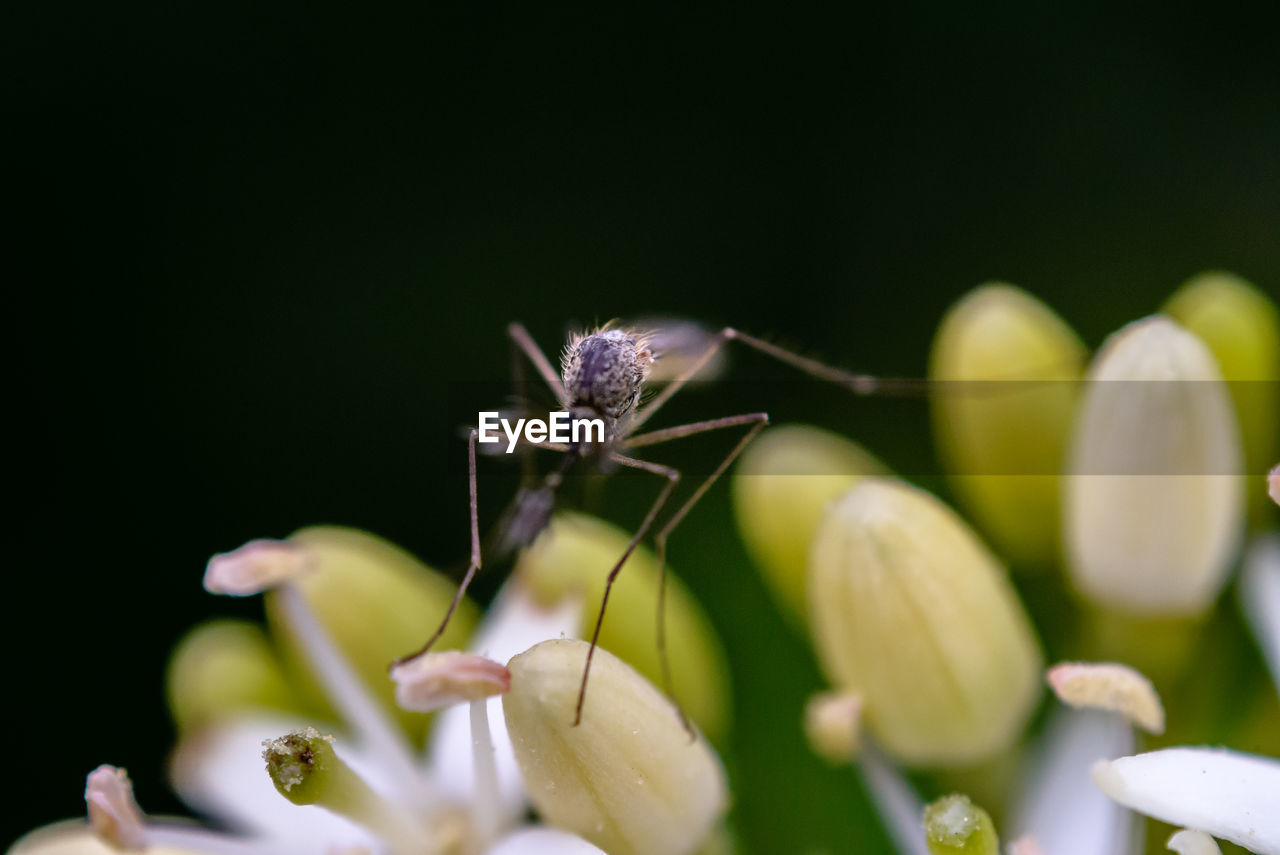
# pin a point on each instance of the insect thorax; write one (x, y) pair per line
(603, 373)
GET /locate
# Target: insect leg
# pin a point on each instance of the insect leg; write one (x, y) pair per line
(525, 342)
(757, 421)
(861, 384)
(472, 567)
(673, 478)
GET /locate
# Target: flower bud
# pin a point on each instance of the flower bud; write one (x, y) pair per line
(572, 558)
(782, 486)
(222, 667)
(376, 602)
(953, 825)
(628, 778)
(1003, 439)
(1154, 505)
(1241, 326)
(912, 611)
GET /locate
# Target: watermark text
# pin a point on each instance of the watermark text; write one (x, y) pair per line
(559, 428)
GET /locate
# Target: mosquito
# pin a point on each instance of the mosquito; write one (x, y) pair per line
(602, 376)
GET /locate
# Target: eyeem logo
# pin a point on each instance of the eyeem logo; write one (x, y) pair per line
(561, 428)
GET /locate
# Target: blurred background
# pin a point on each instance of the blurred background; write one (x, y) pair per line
(256, 250)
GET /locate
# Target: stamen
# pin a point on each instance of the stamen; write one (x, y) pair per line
(1109, 686)
(487, 798)
(897, 804)
(113, 813)
(257, 566)
(306, 771)
(1260, 597)
(116, 819)
(345, 689)
(1025, 845)
(434, 680)
(1188, 842)
(833, 725)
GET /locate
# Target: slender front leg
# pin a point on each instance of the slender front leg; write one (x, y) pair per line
(525, 342)
(673, 478)
(475, 554)
(758, 421)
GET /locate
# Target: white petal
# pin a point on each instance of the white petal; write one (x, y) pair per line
(543, 841)
(1059, 806)
(898, 805)
(1230, 795)
(72, 837)
(1187, 842)
(513, 624)
(220, 772)
(1260, 597)
(76, 837)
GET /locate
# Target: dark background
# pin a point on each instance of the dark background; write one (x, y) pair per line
(253, 247)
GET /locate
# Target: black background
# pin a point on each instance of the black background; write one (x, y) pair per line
(252, 247)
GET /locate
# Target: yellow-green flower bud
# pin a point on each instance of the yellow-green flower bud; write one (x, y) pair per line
(1241, 325)
(223, 667)
(1003, 445)
(781, 489)
(910, 609)
(1154, 502)
(376, 602)
(628, 778)
(953, 825)
(572, 558)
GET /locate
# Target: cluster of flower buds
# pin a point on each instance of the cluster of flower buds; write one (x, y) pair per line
(1122, 481)
(1127, 481)
(341, 739)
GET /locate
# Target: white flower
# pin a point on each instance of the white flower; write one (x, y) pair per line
(1227, 794)
(464, 797)
(1083, 782)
